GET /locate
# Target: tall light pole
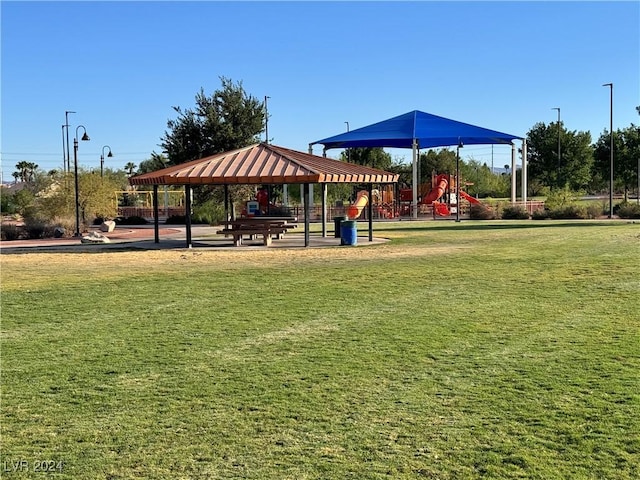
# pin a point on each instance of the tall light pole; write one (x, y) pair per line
(460, 145)
(559, 151)
(266, 120)
(610, 85)
(102, 159)
(85, 138)
(64, 152)
(348, 152)
(66, 121)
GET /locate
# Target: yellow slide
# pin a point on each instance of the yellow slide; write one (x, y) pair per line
(356, 208)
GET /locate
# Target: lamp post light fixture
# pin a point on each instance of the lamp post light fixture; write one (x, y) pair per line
(610, 85)
(102, 159)
(460, 145)
(85, 138)
(559, 150)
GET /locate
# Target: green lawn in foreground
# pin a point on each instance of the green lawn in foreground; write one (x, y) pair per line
(457, 350)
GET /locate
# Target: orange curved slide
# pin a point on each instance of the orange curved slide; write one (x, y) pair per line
(435, 193)
(468, 197)
(356, 208)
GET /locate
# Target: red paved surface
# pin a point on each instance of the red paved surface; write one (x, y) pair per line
(119, 234)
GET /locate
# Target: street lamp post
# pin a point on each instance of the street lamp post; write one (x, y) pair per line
(610, 85)
(66, 118)
(64, 152)
(348, 152)
(85, 138)
(460, 145)
(266, 120)
(559, 151)
(102, 159)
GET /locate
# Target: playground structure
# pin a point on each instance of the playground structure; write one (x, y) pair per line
(354, 210)
(441, 196)
(382, 203)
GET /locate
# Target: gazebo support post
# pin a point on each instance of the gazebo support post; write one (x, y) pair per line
(156, 226)
(307, 211)
(226, 204)
(187, 211)
(370, 210)
(323, 186)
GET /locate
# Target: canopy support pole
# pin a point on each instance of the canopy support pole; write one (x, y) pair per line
(187, 213)
(370, 211)
(323, 187)
(156, 227)
(414, 201)
(513, 173)
(458, 181)
(524, 173)
(226, 204)
(305, 199)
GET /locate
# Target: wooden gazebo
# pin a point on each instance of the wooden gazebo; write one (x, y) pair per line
(263, 164)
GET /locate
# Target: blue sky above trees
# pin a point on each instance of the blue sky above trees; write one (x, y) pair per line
(123, 65)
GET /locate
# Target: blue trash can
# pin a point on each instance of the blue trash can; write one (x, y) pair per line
(348, 232)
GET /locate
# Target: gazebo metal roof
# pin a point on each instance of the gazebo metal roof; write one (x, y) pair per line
(263, 164)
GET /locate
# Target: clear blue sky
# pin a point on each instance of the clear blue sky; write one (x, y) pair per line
(123, 65)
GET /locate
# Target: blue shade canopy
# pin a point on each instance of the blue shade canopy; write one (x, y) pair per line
(429, 131)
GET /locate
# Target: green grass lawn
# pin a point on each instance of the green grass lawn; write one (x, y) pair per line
(455, 351)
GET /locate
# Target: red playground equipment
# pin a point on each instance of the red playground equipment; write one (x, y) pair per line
(382, 201)
(441, 195)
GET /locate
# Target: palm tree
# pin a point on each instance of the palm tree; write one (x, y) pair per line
(129, 168)
(26, 171)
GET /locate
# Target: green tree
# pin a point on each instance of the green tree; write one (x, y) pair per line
(130, 168)
(226, 120)
(371, 157)
(157, 161)
(438, 161)
(96, 196)
(26, 171)
(626, 152)
(572, 168)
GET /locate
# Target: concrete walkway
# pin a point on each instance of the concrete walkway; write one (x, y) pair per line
(171, 238)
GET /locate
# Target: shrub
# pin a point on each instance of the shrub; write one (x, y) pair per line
(561, 198)
(514, 212)
(132, 220)
(629, 210)
(11, 231)
(176, 220)
(209, 213)
(68, 224)
(35, 227)
(594, 210)
(6, 203)
(568, 212)
(540, 214)
(481, 212)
